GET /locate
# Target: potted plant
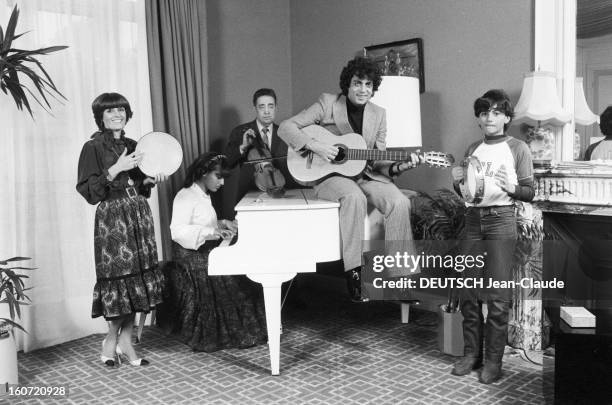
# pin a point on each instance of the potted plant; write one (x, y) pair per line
(12, 293)
(15, 65)
(12, 296)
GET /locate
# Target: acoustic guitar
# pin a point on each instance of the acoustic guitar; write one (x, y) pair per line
(307, 167)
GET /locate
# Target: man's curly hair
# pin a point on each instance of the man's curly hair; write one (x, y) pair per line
(362, 68)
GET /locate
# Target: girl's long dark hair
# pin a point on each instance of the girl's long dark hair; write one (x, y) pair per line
(205, 163)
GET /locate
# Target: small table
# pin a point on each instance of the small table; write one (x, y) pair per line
(583, 361)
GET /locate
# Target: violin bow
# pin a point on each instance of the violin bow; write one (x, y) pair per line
(264, 160)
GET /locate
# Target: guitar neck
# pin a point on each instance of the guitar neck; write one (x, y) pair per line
(375, 154)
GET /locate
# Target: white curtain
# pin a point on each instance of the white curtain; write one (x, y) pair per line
(41, 214)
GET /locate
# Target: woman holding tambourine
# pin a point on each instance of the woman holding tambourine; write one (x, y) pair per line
(128, 279)
(497, 171)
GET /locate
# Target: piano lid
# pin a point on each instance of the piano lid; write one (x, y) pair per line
(280, 235)
(296, 199)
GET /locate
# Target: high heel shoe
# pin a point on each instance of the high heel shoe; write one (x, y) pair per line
(109, 361)
(137, 362)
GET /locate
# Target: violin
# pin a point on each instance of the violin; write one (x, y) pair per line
(267, 177)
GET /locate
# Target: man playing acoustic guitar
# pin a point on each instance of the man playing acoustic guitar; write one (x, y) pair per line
(351, 112)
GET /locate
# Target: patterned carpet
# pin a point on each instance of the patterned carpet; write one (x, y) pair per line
(332, 352)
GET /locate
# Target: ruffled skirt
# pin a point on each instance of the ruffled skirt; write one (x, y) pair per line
(128, 278)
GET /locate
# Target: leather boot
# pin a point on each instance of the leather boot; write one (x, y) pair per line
(466, 364)
(496, 335)
(491, 372)
(353, 284)
(472, 337)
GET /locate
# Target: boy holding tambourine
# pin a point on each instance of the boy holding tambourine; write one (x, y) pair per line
(500, 172)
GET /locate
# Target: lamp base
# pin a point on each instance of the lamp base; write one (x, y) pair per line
(541, 143)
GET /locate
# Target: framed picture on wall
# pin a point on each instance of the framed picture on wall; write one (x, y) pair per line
(399, 58)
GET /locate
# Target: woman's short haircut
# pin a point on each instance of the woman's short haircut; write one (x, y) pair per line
(605, 121)
(263, 92)
(495, 99)
(206, 163)
(361, 67)
(109, 100)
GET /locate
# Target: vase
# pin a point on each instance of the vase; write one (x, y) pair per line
(8, 351)
(8, 354)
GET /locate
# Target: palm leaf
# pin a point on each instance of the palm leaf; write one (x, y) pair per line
(12, 288)
(439, 216)
(14, 259)
(40, 51)
(18, 35)
(39, 82)
(15, 88)
(23, 268)
(13, 324)
(10, 29)
(15, 62)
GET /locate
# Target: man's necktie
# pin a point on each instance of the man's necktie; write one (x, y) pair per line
(264, 136)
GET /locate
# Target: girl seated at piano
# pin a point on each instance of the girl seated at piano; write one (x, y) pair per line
(209, 313)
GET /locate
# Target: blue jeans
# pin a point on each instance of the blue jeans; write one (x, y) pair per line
(496, 226)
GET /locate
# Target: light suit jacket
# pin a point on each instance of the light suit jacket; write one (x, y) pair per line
(330, 113)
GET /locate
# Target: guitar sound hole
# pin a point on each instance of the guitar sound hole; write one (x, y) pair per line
(341, 156)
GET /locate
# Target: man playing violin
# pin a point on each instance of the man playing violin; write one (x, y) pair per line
(351, 112)
(261, 135)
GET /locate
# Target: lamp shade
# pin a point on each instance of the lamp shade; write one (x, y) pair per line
(539, 100)
(400, 97)
(582, 113)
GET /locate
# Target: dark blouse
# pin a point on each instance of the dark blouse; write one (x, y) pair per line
(97, 156)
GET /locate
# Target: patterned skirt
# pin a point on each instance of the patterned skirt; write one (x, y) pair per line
(128, 278)
(210, 313)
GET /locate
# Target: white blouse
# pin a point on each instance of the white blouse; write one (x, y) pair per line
(193, 218)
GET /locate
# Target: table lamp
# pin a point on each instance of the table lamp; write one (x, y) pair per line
(400, 97)
(539, 102)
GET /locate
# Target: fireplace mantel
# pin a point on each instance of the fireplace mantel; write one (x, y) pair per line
(577, 209)
(575, 188)
(577, 216)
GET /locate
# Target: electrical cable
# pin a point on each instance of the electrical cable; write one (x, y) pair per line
(524, 354)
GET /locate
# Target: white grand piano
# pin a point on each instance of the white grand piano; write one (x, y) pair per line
(278, 238)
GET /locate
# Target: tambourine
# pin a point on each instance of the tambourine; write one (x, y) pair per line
(473, 184)
(162, 153)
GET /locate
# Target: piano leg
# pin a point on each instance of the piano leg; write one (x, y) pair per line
(271, 284)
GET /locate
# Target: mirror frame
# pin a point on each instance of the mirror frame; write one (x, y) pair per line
(555, 51)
